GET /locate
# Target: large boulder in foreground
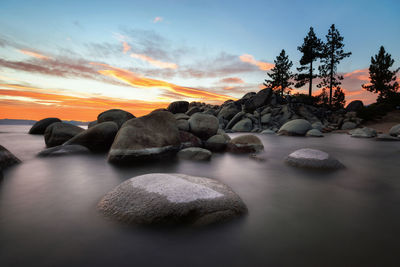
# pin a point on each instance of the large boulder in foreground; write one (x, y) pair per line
(148, 137)
(178, 107)
(40, 126)
(195, 153)
(203, 125)
(63, 150)
(245, 144)
(354, 105)
(395, 130)
(295, 127)
(60, 132)
(312, 158)
(172, 199)
(118, 116)
(7, 158)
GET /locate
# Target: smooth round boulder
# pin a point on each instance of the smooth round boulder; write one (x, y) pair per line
(244, 125)
(395, 130)
(60, 132)
(181, 116)
(354, 105)
(217, 143)
(178, 107)
(40, 126)
(314, 133)
(363, 132)
(183, 125)
(245, 144)
(195, 153)
(172, 199)
(312, 158)
(203, 125)
(295, 127)
(118, 116)
(318, 125)
(348, 125)
(63, 150)
(268, 131)
(7, 159)
(98, 138)
(146, 138)
(189, 140)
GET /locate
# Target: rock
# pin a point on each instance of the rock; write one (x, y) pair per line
(245, 125)
(217, 143)
(189, 140)
(295, 127)
(249, 95)
(172, 199)
(40, 126)
(63, 150)
(228, 111)
(203, 125)
(348, 125)
(98, 138)
(268, 131)
(395, 130)
(183, 125)
(192, 111)
(181, 116)
(386, 137)
(235, 119)
(118, 116)
(60, 132)
(363, 132)
(355, 105)
(7, 159)
(317, 125)
(314, 133)
(312, 158)
(178, 107)
(92, 123)
(266, 118)
(195, 153)
(258, 100)
(245, 144)
(148, 137)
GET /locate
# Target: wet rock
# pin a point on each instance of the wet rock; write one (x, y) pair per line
(268, 131)
(146, 138)
(178, 107)
(60, 132)
(386, 137)
(118, 116)
(312, 158)
(295, 127)
(245, 144)
(203, 125)
(7, 159)
(172, 199)
(40, 126)
(314, 133)
(63, 150)
(363, 132)
(395, 130)
(217, 143)
(195, 153)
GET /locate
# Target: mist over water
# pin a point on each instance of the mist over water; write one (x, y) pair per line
(297, 217)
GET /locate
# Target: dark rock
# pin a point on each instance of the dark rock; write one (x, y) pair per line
(178, 107)
(245, 125)
(217, 143)
(60, 132)
(193, 110)
(355, 105)
(183, 125)
(203, 125)
(189, 140)
(228, 111)
(245, 144)
(92, 123)
(7, 159)
(63, 150)
(172, 199)
(235, 119)
(148, 137)
(195, 153)
(258, 100)
(99, 138)
(40, 126)
(118, 116)
(386, 137)
(348, 125)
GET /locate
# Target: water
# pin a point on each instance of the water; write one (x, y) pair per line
(296, 217)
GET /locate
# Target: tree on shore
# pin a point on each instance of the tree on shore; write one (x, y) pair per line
(338, 100)
(312, 50)
(280, 74)
(382, 80)
(332, 54)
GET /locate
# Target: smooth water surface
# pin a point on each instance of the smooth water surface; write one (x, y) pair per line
(297, 217)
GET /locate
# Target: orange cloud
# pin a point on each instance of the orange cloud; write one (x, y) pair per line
(126, 47)
(251, 60)
(362, 75)
(135, 80)
(158, 19)
(232, 80)
(34, 54)
(154, 62)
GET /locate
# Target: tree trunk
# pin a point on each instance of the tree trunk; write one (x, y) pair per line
(330, 85)
(310, 83)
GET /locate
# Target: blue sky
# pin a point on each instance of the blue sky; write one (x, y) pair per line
(204, 39)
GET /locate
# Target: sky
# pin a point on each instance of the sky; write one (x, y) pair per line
(75, 59)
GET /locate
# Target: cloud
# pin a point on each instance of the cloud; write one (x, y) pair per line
(362, 75)
(135, 80)
(34, 54)
(231, 80)
(126, 47)
(158, 19)
(154, 62)
(251, 60)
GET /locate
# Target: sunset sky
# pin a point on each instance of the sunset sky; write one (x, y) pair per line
(75, 59)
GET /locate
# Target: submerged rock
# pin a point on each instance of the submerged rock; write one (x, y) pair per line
(203, 125)
(295, 127)
(245, 144)
(363, 132)
(312, 158)
(118, 116)
(395, 130)
(314, 133)
(386, 137)
(148, 137)
(268, 131)
(172, 199)
(7, 159)
(63, 150)
(40, 126)
(217, 143)
(60, 132)
(195, 153)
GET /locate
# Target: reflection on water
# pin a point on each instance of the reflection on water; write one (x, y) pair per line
(296, 217)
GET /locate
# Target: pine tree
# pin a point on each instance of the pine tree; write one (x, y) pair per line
(323, 98)
(331, 56)
(382, 80)
(280, 74)
(311, 49)
(338, 99)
